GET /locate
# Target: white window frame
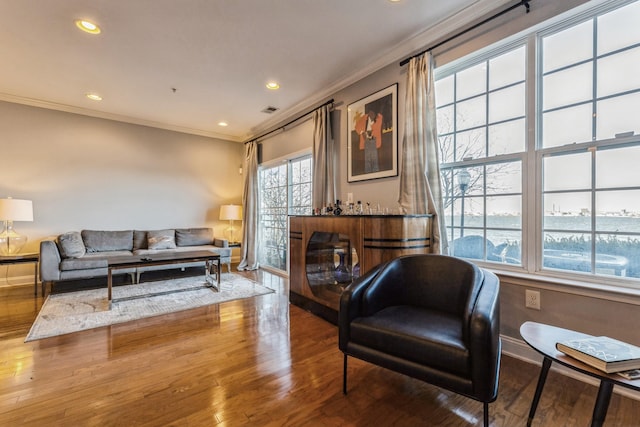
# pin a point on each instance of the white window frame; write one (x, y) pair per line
(532, 157)
(289, 159)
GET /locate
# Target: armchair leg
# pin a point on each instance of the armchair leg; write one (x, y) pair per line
(344, 376)
(486, 414)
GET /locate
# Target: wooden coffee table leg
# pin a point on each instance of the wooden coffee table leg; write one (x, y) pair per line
(546, 364)
(218, 272)
(109, 285)
(602, 403)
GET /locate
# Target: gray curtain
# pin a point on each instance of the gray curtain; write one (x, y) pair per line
(420, 190)
(250, 212)
(324, 182)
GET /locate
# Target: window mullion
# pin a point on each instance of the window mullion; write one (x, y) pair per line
(593, 209)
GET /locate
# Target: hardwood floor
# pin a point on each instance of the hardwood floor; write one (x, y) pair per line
(256, 362)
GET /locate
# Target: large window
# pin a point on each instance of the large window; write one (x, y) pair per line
(284, 189)
(482, 140)
(547, 183)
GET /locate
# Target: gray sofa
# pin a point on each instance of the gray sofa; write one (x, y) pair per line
(83, 255)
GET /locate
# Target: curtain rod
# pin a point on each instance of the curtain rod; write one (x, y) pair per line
(290, 122)
(524, 3)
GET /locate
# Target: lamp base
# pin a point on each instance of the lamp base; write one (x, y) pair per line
(11, 242)
(230, 235)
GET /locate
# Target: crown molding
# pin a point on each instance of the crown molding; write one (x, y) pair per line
(115, 117)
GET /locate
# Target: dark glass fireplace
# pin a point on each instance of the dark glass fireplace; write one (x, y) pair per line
(331, 264)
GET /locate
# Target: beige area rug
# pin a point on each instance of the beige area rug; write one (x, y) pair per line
(77, 311)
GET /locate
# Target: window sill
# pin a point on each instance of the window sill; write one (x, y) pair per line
(570, 286)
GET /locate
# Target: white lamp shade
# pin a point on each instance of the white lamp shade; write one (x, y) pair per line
(230, 212)
(16, 210)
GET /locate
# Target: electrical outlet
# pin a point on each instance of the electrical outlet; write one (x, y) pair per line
(532, 299)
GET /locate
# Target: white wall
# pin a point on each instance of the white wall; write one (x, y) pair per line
(296, 138)
(89, 173)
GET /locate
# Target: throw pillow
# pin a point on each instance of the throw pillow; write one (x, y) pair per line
(71, 245)
(161, 239)
(194, 236)
(103, 240)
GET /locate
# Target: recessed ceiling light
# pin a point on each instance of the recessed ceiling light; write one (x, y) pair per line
(94, 97)
(273, 85)
(87, 26)
(223, 124)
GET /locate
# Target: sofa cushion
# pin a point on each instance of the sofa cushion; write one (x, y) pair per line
(225, 253)
(82, 263)
(108, 254)
(101, 241)
(93, 260)
(71, 245)
(194, 236)
(161, 239)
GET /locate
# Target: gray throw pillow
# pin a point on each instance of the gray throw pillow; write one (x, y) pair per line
(102, 241)
(161, 239)
(194, 236)
(71, 245)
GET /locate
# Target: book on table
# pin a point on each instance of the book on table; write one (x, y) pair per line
(604, 353)
(632, 374)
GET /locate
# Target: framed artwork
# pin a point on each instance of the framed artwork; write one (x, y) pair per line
(372, 150)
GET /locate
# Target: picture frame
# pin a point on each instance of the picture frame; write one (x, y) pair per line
(372, 143)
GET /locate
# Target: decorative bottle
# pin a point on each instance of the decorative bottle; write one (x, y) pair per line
(342, 274)
(337, 210)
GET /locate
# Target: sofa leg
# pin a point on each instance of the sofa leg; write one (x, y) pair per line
(486, 414)
(44, 287)
(344, 375)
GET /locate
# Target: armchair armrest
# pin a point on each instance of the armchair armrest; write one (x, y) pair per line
(49, 261)
(351, 303)
(484, 344)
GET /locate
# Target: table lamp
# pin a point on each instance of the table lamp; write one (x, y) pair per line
(13, 210)
(231, 213)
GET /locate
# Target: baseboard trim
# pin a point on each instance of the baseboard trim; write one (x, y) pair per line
(311, 306)
(521, 350)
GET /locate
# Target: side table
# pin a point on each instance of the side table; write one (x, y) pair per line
(543, 339)
(24, 259)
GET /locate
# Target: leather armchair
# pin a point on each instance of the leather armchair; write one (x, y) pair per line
(431, 317)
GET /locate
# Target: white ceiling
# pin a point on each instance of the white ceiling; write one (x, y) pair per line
(217, 54)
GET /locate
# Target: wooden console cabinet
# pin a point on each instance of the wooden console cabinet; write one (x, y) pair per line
(327, 252)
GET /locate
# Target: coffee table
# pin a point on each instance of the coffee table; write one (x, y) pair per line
(543, 339)
(123, 262)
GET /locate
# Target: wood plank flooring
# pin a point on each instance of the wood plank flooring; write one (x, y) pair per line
(253, 362)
